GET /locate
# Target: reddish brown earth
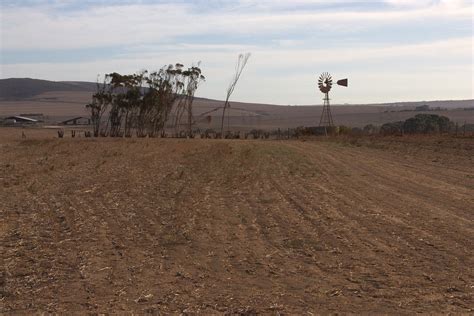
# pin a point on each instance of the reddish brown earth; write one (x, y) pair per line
(236, 227)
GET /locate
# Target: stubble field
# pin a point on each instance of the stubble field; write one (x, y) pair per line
(236, 227)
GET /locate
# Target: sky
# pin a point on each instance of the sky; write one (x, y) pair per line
(390, 50)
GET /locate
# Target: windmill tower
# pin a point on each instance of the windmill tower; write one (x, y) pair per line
(325, 84)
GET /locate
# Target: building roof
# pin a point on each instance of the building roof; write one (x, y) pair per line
(74, 119)
(21, 118)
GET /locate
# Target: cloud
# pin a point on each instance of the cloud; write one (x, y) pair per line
(291, 41)
(410, 3)
(286, 76)
(131, 24)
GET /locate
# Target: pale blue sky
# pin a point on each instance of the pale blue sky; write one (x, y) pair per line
(391, 50)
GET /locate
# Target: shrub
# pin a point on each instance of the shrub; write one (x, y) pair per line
(391, 128)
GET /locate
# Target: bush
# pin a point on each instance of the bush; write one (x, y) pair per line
(391, 128)
(344, 130)
(370, 129)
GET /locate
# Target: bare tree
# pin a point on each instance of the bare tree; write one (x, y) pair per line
(239, 67)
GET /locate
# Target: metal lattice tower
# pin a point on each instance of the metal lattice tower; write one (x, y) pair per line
(326, 116)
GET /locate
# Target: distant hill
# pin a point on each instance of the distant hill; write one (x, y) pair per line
(17, 89)
(23, 88)
(60, 100)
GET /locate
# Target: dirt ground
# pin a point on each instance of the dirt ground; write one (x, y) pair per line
(236, 227)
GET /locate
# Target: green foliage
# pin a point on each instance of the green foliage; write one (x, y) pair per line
(427, 123)
(391, 128)
(419, 124)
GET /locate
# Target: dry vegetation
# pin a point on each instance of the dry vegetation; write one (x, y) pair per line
(379, 225)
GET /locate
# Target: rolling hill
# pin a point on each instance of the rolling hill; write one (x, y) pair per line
(23, 88)
(62, 99)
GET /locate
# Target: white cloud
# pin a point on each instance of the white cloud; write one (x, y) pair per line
(410, 3)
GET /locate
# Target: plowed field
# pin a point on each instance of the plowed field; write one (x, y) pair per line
(236, 227)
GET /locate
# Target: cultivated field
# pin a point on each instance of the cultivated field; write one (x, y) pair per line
(237, 227)
(58, 106)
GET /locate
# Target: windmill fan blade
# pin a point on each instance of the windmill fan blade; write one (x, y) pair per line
(325, 82)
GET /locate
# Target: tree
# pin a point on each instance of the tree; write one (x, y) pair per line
(141, 101)
(127, 99)
(192, 79)
(99, 105)
(241, 62)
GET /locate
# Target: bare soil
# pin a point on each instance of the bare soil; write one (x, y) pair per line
(236, 227)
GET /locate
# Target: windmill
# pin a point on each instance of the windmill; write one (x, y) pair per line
(325, 84)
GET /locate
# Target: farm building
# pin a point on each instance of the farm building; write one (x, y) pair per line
(17, 119)
(80, 120)
(36, 116)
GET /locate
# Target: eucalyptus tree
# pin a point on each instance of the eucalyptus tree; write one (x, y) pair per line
(126, 102)
(192, 78)
(141, 101)
(165, 87)
(99, 105)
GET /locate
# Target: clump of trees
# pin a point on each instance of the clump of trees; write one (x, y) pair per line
(427, 123)
(419, 124)
(142, 102)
